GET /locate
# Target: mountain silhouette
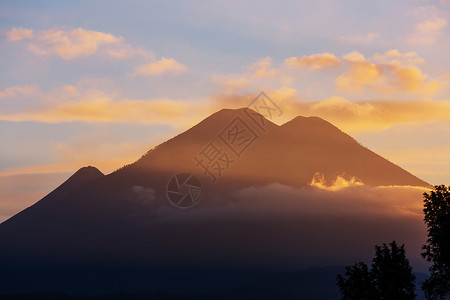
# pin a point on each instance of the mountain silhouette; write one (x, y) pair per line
(128, 218)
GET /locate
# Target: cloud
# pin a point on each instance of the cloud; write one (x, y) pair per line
(374, 115)
(387, 73)
(382, 200)
(359, 39)
(230, 83)
(314, 61)
(70, 44)
(361, 74)
(163, 66)
(18, 34)
(85, 102)
(349, 116)
(428, 32)
(339, 183)
(308, 224)
(354, 56)
(20, 90)
(395, 56)
(105, 110)
(429, 27)
(263, 69)
(145, 196)
(97, 100)
(126, 51)
(258, 75)
(391, 72)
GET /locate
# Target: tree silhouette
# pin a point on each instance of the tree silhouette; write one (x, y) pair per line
(437, 248)
(392, 274)
(358, 284)
(390, 277)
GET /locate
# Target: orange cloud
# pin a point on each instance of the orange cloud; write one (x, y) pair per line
(349, 116)
(395, 56)
(127, 51)
(18, 34)
(19, 90)
(339, 183)
(389, 75)
(360, 75)
(427, 32)
(429, 27)
(98, 100)
(104, 109)
(374, 115)
(259, 75)
(70, 44)
(229, 83)
(314, 62)
(263, 69)
(165, 65)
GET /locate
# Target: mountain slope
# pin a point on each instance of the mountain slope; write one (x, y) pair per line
(76, 181)
(289, 154)
(125, 218)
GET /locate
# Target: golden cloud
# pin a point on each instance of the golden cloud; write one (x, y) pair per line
(105, 110)
(20, 90)
(127, 51)
(230, 83)
(18, 34)
(314, 62)
(165, 65)
(394, 72)
(374, 115)
(395, 56)
(349, 116)
(429, 28)
(69, 44)
(263, 69)
(258, 75)
(360, 75)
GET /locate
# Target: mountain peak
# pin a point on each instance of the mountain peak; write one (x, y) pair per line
(234, 112)
(88, 171)
(222, 118)
(307, 121)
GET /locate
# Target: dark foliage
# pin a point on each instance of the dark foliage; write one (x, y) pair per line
(389, 278)
(437, 248)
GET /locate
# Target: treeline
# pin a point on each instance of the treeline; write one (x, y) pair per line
(390, 275)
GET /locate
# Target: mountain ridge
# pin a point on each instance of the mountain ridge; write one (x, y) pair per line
(102, 222)
(302, 130)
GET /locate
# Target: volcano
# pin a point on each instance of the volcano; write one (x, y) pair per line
(180, 206)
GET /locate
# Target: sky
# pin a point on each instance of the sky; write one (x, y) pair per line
(102, 82)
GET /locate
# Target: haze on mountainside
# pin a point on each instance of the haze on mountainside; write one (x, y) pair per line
(303, 193)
